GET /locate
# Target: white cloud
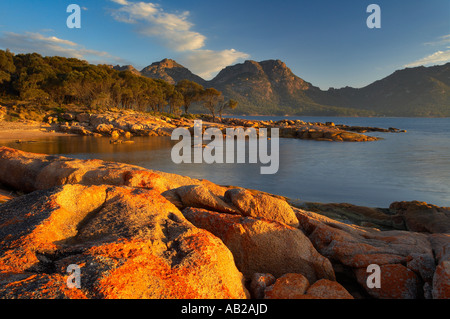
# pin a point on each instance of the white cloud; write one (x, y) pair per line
(206, 63)
(122, 2)
(439, 57)
(50, 46)
(50, 40)
(174, 30)
(177, 41)
(445, 39)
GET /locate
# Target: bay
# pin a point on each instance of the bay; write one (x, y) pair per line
(403, 166)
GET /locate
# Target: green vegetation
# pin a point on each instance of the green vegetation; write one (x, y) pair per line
(212, 98)
(31, 84)
(192, 92)
(231, 104)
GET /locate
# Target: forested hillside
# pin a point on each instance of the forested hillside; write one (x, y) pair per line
(60, 81)
(38, 84)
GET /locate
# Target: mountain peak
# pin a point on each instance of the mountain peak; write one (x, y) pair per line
(266, 82)
(249, 62)
(126, 68)
(270, 86)
(273, 63)
(167, 63)
(171, 71)
(262, 65)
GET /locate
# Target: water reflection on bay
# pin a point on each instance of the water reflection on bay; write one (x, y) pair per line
(401, 167)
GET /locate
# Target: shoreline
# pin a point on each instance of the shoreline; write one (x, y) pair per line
(124, 125)
(14, 131)
(11, 188)
(339, 116)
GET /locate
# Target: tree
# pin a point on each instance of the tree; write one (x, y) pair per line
(176, 100)
(191, 91)
(231, 104)
(101, 100)
(51, 80)
(35, 95)
(6, 66)
(116, 94)
(211, 98)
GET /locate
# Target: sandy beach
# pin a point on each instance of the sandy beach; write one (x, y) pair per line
(26, 131)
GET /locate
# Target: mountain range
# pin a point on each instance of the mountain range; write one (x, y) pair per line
(271, 88)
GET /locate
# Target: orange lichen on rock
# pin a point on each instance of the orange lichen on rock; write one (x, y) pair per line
(49, 220)
(441, 281)
(397, 282)
(296, 286)
(407, 258)
(146, 179)
(130, 239)
(129, 243)
(57, 284)
(423, 217)
(327, 289)
(262, 205)
(140, 274)
(37, 286)
(289, 286)
(261, 246)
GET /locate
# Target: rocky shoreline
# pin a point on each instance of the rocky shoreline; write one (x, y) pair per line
(126, 124)
(139, 233)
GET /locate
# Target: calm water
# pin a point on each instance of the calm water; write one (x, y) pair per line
(406, 166)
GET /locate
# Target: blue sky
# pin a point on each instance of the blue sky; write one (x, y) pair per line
(326, 43)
